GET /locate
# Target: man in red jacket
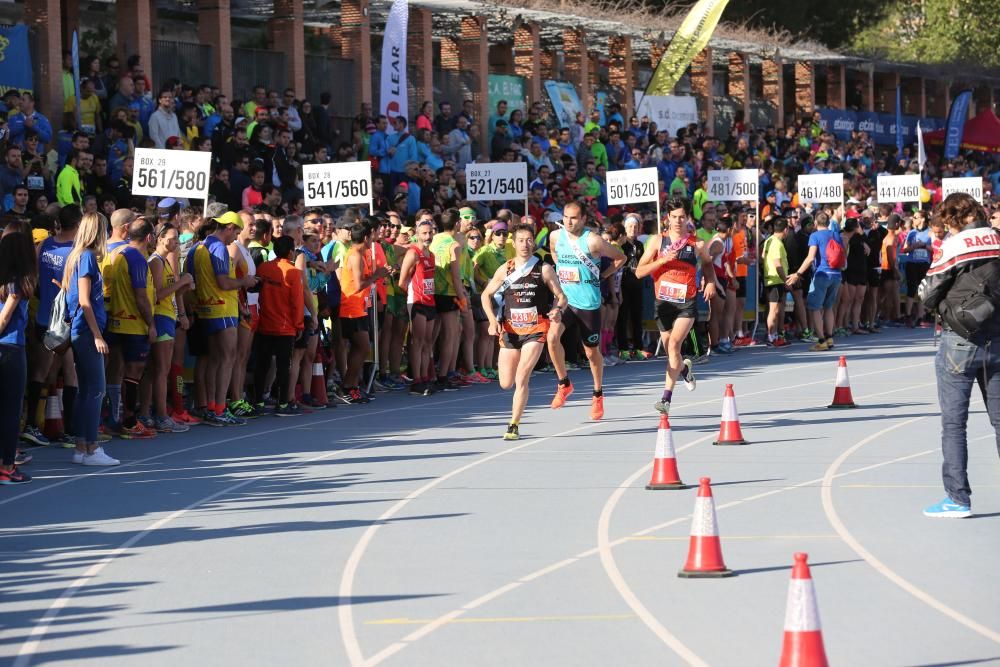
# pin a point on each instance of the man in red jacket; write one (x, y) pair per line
(282, 309)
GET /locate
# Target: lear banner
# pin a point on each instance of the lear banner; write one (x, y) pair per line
(669, 112)
(392, 100)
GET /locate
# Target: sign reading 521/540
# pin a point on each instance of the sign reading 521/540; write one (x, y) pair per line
(166, 173)
(630, 186)
(337, 184)
(732, 184)
(496, 180)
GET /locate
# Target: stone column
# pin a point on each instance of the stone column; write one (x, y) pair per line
(357, 43)
(805, 87)
(43, 19)
(774, 89)
(214, 27)
(475, 57)
(420, 53)
(528, 58)
(133, 23)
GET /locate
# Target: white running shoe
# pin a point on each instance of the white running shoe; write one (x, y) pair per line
(99, 458)
(690, 382)
(78, 457)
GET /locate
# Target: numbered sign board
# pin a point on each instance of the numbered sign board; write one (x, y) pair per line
(489, 181)
(165, 173)
(972, 185)
(337, 184)
(732, 185)
(892, 189)
(821, 188)
(629, 186)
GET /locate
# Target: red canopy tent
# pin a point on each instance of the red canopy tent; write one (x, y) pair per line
(981, 133)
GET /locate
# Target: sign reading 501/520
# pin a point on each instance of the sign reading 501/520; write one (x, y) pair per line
(496, 181)
(166, 173)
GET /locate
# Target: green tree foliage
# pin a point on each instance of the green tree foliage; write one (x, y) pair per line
(936, 31)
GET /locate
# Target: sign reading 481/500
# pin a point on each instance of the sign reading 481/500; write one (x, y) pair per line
(163, 173)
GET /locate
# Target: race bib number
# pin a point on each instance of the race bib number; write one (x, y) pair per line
(569, 274)
(921, 254)
(36, 183)
(368, 299)
(522, 318)
(89, 129)
(429, 286)
(671, 292)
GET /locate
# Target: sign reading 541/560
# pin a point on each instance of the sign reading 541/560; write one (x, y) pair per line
(337, 184)
(496, 180)
(166, 173)
(732, 184)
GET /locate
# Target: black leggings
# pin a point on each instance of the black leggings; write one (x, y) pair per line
(915, 274)
(630, 317)
(265, 347)
(13, 376)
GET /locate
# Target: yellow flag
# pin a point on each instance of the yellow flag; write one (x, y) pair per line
(690, 39)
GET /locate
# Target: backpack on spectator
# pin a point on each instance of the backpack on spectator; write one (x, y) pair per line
(835, 255)
(972, 301)
(57, 335)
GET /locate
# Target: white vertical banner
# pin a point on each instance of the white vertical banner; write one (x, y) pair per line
(392, 100)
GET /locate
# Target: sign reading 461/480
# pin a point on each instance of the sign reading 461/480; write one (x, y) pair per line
(337, 184)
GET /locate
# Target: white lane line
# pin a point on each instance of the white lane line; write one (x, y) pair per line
(244, 436)
(443, 620)
(37, 633)
(880, 567)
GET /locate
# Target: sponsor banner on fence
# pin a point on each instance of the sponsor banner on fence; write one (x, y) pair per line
(880, 126)
(509, 88)
(669, 112)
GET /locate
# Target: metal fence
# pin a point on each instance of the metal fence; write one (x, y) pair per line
(335, 76)
(255, 67)
(187, 62)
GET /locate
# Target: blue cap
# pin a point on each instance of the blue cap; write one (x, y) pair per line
(166, 203)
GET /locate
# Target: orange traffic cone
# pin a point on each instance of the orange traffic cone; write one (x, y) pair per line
(842, 394)
(665, 475)
(803, 645)
(704, 550)
(53, 425)
(318, 386)
(729, 429)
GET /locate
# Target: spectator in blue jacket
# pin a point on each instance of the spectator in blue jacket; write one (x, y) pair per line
(27, 118)
(402, 149)
(378, 145)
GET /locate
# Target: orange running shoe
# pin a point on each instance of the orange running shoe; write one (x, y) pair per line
(562, 393)
(597, 408)
(184, 417)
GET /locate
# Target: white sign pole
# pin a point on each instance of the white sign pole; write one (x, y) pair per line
(374, 294)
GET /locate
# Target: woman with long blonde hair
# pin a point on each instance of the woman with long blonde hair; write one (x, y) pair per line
(85, 308)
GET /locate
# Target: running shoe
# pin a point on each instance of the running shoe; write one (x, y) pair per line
(34, 435)
(860, 332)
(700, 359)
(478, 378)
(78, 457)
(22, 458)
(829, 343)
(662, 406)
(819, 347)
(445, 386)
(67, 441)
(947, 509)
(13, 476)
(742, 341)
(840, 332)
(610, 361)
(547, 368)
(212, 419)
(287, 410)
(102, 434)
(596, 407)
(417, 389)
(146, 421)
(201, 414)
(780, 342)
(430, 388)
(808, 336)
(571, 366)
(690, 382)
(511, 433)
(231, 419)
(138, 432)
(405, 378)
(184, 417)
(99, 458)
(379, 387)
(628, 355)
(356, 397)
(168, 425)
(240, 408)
(719, 349)
(562, 393)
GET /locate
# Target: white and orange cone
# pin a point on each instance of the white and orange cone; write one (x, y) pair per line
(665, 474)
(803, 644)
(704, 550)
(318, 385)
(53, 427)
(729, 430)
(842, 394)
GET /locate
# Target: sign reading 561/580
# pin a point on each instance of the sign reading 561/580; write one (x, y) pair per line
(337, 184)
(171, 173)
